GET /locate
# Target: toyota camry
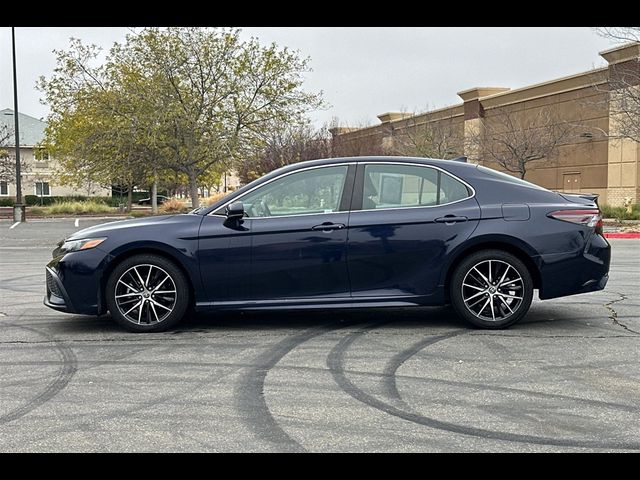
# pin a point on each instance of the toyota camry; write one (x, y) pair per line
(342, 233)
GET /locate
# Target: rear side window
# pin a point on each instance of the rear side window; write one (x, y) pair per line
(401, 186)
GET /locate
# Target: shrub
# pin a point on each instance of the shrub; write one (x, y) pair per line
(212, 199)
(79, 207)
(37, 211)
(7, 202)
(620, 213)
(173, 205)
(34, 200)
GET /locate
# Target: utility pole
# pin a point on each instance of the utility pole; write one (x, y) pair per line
(18, 208)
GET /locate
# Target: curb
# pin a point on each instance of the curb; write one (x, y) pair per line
(622, 235)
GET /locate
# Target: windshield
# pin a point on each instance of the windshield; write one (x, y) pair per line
(509, 178)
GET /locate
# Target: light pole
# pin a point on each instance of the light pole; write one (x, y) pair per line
(18, 208)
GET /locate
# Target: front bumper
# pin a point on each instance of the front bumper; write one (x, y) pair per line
(57, 296)
(73, 282)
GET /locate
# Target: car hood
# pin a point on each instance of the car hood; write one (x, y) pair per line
(105, 228)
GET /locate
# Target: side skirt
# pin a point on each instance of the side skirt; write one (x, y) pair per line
(322, 303)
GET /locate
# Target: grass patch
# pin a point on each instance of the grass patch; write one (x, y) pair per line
(77, 208)
(37, 211)
(620, 213)
(138, 214)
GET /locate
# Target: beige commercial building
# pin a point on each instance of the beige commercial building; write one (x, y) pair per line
(38, 169)
(592, 158)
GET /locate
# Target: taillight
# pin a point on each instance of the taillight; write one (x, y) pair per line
(588, 218)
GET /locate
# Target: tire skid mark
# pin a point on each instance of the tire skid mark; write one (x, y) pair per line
(336, 361)
(64, 376)
(250, 399)
(389, 384)
(390, 377)
(143, 406)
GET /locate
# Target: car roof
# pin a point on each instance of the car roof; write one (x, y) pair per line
(372, 159)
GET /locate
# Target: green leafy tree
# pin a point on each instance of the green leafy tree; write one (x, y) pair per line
(191, 101)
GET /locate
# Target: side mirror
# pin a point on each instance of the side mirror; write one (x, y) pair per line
(235, 211)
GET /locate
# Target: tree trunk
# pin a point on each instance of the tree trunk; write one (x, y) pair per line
(193, 190)
(154, 197)
(129, 198)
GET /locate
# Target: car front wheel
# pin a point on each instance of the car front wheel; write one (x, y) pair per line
(491, 289)
(147, 293)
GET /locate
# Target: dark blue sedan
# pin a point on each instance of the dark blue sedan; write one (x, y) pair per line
(342, 233)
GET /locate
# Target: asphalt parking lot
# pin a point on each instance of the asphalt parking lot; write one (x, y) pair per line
(567, 378)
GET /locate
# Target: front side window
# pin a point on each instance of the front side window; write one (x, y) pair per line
(401, 186)
(4, 188)
(313, 191)
(42, 189)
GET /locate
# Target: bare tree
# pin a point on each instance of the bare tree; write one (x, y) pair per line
(4, 155)
(8, 161)
(514, 140)
(624, 87)
(423, 137)
(284, 145)
(621, 34)
(356, 141)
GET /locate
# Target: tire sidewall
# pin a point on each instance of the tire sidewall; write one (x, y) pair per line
(179, 279)
(461, 270)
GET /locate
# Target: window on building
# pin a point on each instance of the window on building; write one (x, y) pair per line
(41, 154)
(4, 188)
(42, 189)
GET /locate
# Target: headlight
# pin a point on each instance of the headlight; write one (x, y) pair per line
(83, 244)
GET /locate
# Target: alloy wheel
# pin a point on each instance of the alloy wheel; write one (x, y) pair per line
(145, 294)
(492, 290)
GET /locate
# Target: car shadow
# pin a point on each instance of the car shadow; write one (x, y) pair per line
(409, 318)
(297, 320)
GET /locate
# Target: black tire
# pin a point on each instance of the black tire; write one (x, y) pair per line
(487, 304)
(152, 318)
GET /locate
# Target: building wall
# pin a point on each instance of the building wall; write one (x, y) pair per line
(590, 160)
(34, 170)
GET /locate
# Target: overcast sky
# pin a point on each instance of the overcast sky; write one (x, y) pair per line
(362, 71)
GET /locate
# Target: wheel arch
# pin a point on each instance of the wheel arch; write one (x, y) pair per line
(514, 246)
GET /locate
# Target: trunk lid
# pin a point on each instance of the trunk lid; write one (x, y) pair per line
(589, 199)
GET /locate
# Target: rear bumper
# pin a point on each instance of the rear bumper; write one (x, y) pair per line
(572, 273)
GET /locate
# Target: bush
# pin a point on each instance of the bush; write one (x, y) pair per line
(37, 211)
(212, 199)
(7, 202)
(79, 207)
(34, 200)
(173, 205)
(620, 213)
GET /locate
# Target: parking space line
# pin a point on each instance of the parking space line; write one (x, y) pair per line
(14, 225)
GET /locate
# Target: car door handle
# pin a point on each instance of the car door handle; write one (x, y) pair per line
(450, 219)
(328, 226)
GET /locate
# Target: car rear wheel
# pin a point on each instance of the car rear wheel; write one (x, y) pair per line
(491, 289)
(147, 293)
